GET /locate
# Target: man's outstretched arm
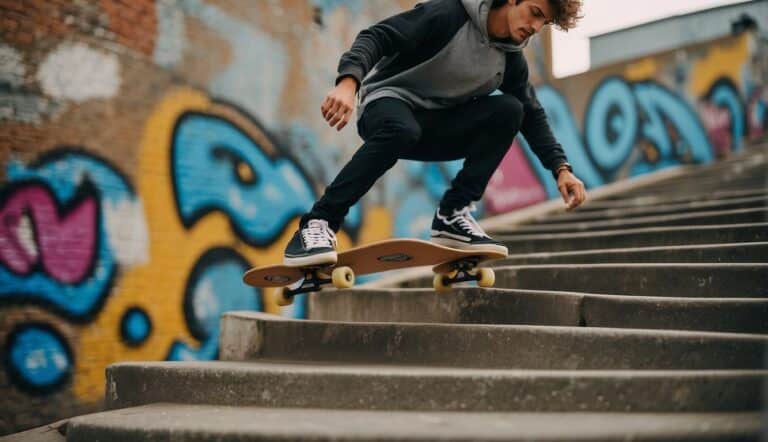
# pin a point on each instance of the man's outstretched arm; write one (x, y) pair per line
(412, 31)
(403, 32)
(537, 132)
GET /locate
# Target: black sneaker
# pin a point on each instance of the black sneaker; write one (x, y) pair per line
(461, 231)
(313, 244)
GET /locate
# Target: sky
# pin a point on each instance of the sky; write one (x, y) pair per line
(571, 49)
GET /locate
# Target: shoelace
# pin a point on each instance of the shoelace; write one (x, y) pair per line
(317, 234)
(465, 220)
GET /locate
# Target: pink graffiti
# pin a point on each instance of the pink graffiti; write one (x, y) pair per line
(32, 231)
(514, 185)
(717, 122)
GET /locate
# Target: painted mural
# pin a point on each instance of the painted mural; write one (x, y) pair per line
(143, 172)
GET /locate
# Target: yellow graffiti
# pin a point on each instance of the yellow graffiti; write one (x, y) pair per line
(641, 70)
(723, 60)
(158, 286)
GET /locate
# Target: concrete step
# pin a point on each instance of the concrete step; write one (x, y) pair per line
(734, 253)
(754, 156)
(649, 200)
(377, 387)
(52, 432)
(668, 279)
(501, 306)
(753, 152)
(199, 423)
(725, 175)
(753, 167)
(719, 217)
(697, 186)
(664, 209)
(638, 237)
(257, 336)
(752, 176)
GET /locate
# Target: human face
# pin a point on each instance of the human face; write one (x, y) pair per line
(526, 18)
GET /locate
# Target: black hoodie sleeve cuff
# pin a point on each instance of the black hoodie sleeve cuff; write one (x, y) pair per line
(559, 165)
(351, 71)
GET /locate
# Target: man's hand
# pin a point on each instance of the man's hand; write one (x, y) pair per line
(339, 104)
(571, 188)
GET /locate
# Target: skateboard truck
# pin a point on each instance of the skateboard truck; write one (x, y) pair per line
(341, 278)
(463, 270)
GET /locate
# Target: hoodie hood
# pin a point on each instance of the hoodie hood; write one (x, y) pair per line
(478, 12)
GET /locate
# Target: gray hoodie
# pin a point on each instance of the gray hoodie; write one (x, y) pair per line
(438, 55)
(468, 65)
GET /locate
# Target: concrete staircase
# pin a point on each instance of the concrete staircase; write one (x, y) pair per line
(643, 316)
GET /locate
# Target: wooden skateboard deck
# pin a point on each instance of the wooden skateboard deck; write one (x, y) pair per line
(454, 264)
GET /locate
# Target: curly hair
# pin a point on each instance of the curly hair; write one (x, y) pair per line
(566, 12)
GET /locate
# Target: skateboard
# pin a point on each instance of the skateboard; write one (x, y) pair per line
(449, 265)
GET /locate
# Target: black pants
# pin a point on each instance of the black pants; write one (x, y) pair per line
(480, 131)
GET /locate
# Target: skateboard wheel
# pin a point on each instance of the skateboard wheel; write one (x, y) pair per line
(438, 282)
(281, 299)
(343, 277)
(486, 277)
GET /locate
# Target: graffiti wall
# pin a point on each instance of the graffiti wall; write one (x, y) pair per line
(153, 150)
(692, 105)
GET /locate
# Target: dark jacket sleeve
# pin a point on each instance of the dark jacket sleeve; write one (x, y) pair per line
(535, 125)
(404, 32)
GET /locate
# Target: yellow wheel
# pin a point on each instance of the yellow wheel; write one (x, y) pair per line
(487, 277)
(343, 277)
(281, 299)
(439, 284)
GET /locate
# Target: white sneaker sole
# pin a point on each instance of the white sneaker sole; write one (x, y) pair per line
(474, 247)
(327, 258)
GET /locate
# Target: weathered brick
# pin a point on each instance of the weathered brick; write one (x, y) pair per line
(10, 24)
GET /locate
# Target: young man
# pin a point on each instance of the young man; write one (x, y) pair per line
(423, 79)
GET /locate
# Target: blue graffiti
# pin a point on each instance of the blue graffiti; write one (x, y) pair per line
(135, 326)
(216, 166)
(38, 358)
(567, 133)
(619, 116)
(256, 71)
(760, 113)
(413, 218)
(437, 177)
(66, 173)
(660, 105)
(757, 108)
(612, 123)
(330, 5)
(215, 286)
(322, 162)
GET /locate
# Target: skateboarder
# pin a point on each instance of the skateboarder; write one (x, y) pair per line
(423, 79)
